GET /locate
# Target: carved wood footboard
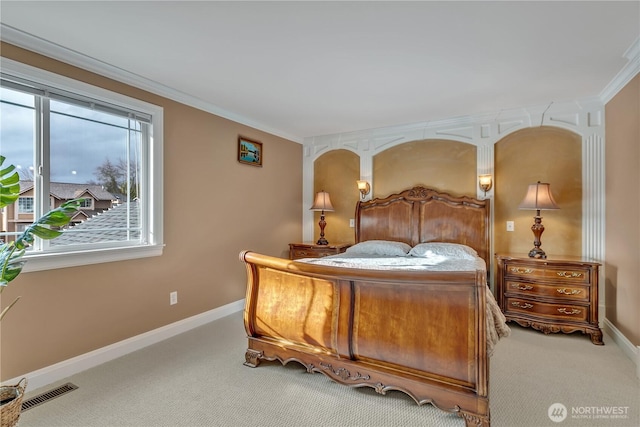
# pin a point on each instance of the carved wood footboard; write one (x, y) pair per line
(422, 333)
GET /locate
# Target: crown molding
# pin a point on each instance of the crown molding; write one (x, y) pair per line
(52, 50)
(478, 129)
(628, 72)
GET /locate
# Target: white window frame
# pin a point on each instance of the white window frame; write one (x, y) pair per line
(152, 210)
(19, 210)
(87, 203)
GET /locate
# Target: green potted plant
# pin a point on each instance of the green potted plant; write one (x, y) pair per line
(11, 263)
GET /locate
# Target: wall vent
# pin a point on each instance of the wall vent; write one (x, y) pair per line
(47, 396)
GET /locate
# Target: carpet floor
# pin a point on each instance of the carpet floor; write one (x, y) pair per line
(198, 379)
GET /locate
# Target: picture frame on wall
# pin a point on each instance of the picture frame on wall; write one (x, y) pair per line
(249, 151)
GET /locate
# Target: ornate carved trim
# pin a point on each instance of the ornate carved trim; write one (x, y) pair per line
(595, 333)
(252, 358)
(570, 274)
(519, 270)
(569, 311)
(344, 374)
(524, 305)
(474, 419)
(566, 291)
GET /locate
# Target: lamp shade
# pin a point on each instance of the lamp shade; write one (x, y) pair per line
(322, 202)
(539, 197)
(485, 182)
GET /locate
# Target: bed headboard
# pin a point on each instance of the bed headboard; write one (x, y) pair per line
(421, 215)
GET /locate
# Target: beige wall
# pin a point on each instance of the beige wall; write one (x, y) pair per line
(214, 207)
(336, 172)
(622, 282)
(543, 154)
(447, 166)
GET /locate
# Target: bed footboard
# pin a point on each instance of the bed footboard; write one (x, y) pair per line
(420, 333)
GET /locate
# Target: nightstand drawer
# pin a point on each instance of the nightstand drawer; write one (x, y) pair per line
(574, 275)
(555, 274)
(547, 310)
(310, 250)
(560, 292)
(306, 253)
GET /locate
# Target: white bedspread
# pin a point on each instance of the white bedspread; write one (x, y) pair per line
(496, 322)
(379, 262)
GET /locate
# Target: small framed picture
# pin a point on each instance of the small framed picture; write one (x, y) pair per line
(249, 151)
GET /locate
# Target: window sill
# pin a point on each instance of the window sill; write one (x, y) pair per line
(50, 261)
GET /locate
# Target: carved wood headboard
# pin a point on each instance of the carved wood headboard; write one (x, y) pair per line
(421, 215)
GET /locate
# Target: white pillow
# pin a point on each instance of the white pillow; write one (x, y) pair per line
(450, 250)
(379, 247)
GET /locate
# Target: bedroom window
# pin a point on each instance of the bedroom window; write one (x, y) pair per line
(70, 140)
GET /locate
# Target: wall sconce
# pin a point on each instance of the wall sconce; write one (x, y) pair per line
(485, 182)
(364, 188)
(322, 203)
(538, 198)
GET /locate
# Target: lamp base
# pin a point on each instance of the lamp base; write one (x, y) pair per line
(322, 224)
(537, 253)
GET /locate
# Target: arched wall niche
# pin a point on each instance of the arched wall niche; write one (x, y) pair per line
(446, 165)
(546, 154)
(336, 172)
(584, 118)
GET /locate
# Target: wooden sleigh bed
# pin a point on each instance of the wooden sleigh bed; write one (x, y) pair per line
(424, 333)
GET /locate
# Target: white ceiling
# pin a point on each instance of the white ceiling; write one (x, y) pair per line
(301, 69)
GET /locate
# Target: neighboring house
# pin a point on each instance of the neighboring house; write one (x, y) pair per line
(17, 217)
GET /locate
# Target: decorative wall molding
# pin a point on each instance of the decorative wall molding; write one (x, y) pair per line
(505, 127)
(628, 72)
(465, 133)
(583, 117)
(594, 203)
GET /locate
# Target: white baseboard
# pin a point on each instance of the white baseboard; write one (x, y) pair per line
(66, 368)
(632, 351)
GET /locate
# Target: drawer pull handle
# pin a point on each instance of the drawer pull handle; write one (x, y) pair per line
(521, 270)
(566, 311)
(570, 274)
(566, 291)
(521, 305)
(521, 287)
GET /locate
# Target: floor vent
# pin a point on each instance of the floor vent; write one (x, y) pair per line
(47, 396)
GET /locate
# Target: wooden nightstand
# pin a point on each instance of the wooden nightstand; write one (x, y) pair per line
(550, 295)
(311, 250)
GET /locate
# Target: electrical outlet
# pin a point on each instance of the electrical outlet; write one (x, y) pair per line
(510, 226)
(352, 223)
(173, 298)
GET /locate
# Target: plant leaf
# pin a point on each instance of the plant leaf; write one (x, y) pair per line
(9, 184)
(11, 253)
(58, 217)
(6, 309)
(10, 261)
